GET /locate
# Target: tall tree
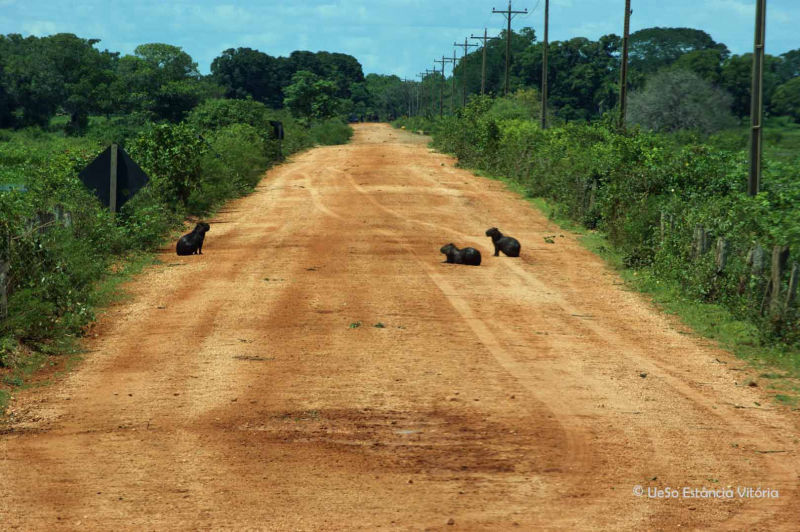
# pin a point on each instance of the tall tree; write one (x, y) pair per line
(311, 96)
(245, 72)
(786, 99)
(736, 78)
(654, 48)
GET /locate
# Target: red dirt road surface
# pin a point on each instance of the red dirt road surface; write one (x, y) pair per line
(320, 368)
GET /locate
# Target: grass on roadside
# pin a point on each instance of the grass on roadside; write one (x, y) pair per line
(31, 367)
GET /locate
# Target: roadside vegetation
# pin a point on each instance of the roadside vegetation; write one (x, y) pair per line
(202, 140)
(668, 191)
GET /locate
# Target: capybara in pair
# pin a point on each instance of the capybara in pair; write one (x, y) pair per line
(468, 256)
(508, 245)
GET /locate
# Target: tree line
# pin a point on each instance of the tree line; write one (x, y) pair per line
(41, 77)
(583, 74)
(63, 73)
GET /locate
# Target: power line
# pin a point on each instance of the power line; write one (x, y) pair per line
(444, 60)
(509, 14)
(428, 71)
(466, 46)
(485, 39)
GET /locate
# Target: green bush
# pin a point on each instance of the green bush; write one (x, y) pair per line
(171, 155)
(217, 114)
(330, 132)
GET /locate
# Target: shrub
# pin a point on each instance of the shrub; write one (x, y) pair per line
(171, 155)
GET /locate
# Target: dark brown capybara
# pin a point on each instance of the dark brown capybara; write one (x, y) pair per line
(508, 245)
(192, 243)
(468, 256)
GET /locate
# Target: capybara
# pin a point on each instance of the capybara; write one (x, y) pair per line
(508, 245)
(192, 243)
(468, 256)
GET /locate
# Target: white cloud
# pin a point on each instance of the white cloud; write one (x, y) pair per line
(742, 9)
(40, 27)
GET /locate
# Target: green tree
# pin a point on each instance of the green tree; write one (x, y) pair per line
(161, 80)
(388, 97)
(790, 65)
(654, 48)
(172, 155)
(786, 99)
(167, 63)
(34, 86)
(245, 72)
(705, 63)
(216, 114)
(582, 75)
(736, 79)
(311, 96)
(87, 75)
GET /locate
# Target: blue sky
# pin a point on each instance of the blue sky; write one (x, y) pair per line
(387, 36)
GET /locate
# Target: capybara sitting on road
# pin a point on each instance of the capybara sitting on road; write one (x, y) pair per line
(508, 245)
(192, 243)
(468, 256)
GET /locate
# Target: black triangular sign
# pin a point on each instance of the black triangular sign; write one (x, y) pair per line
(97, 177)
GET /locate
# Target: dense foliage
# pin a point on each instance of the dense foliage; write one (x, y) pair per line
(628, 184)
(62, 101)
(583, 75)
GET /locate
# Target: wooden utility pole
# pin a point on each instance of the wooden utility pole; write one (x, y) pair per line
(509, 14)
(444, 60)
(544, 62)
(453, 84)
(485, 39)
(466, 47)
(420, 88)
(408, 95)
(430, 100)
(623, 71)
(756, 99)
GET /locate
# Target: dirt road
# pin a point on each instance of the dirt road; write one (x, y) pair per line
(319, 368)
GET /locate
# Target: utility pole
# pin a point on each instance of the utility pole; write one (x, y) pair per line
(453, 84)
(544, 62)
(466, 47)
(407, 91)
(430, 100)
(623, 71)
(420, 88)
(485, 39)
(509, 14)
(444, 60)
(756, 99)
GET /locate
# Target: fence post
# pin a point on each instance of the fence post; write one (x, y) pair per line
(63, 216)
(722, 254)
(755, 259)
(3, 289)
(700, 243)
(780, 256)
(791, 293)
